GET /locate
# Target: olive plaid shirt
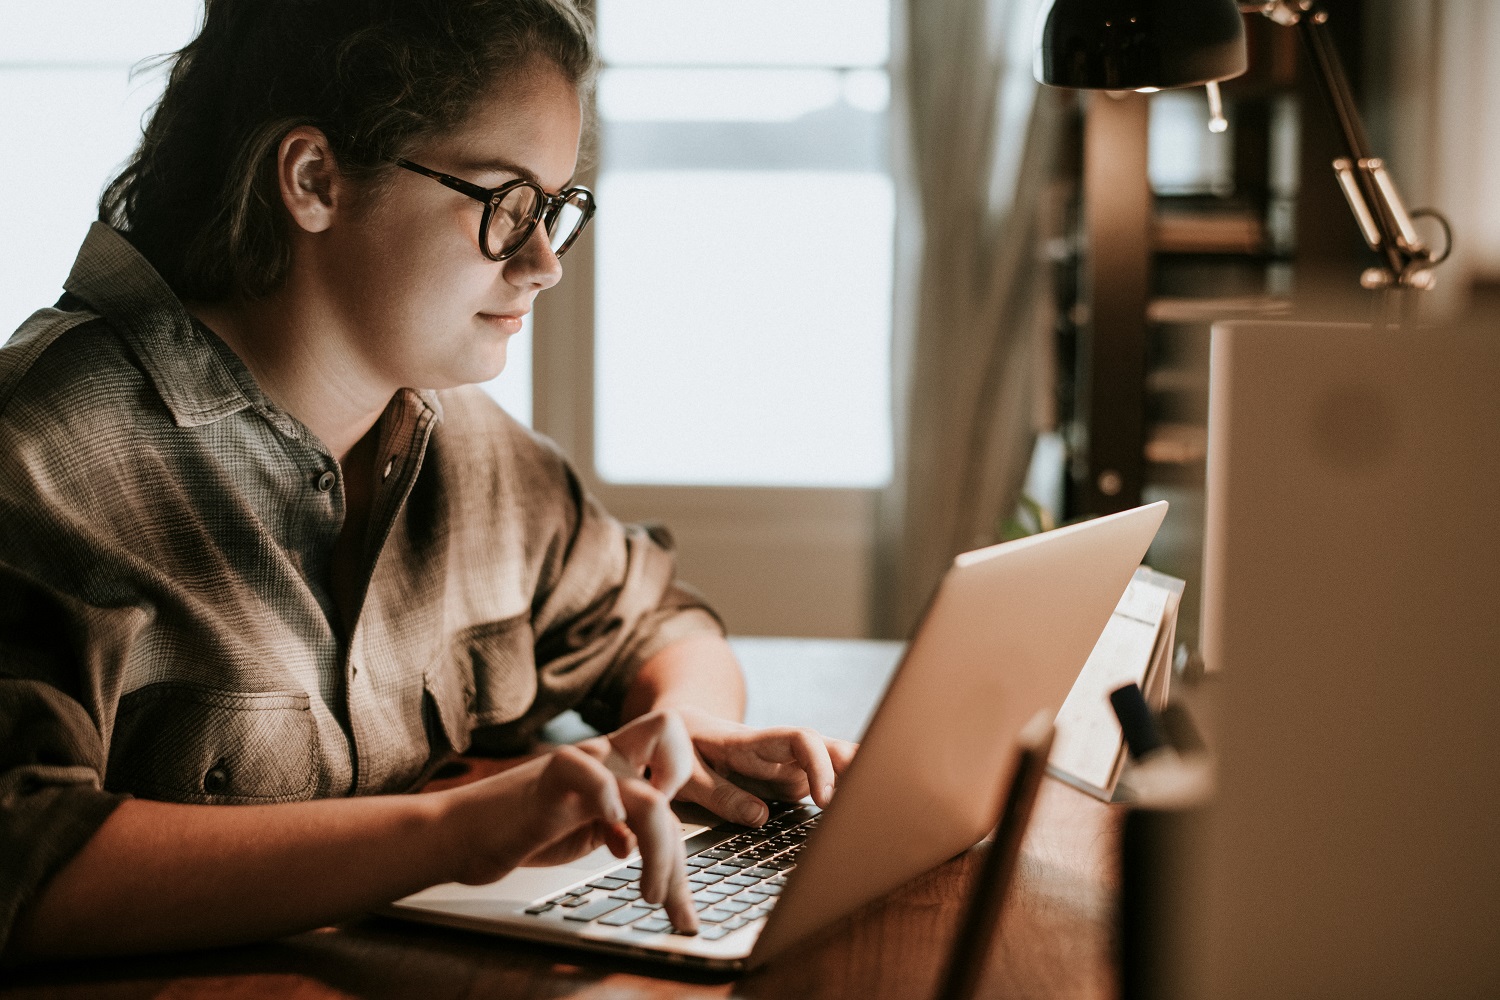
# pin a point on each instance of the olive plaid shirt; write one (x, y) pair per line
(166, 627)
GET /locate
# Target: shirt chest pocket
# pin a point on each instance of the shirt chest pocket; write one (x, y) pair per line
(181, 742)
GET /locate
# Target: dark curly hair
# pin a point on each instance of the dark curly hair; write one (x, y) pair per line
(199, 199)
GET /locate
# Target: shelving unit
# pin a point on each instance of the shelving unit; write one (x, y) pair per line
(1221, 244)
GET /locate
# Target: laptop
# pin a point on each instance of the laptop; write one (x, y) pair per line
(1005, 635)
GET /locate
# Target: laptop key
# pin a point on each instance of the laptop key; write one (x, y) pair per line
(751, 896)
(724, 869)
(736, 863)
(539, 908)
(629, 895)
(715, 915)
(576, 901)
(656, 925)
(741, 880)
(622, 918)
(712, 933)
(734, 906)
(762, 872)
(710, 895)
(768, 889)
(609, 883)
(735, 924)
(594, 910)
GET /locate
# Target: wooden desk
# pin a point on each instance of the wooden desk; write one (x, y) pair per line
(1056, 941)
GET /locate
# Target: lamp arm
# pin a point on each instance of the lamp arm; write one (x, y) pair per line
(1372, 195)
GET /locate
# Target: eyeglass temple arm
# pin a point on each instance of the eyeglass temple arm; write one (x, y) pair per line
(448, 180)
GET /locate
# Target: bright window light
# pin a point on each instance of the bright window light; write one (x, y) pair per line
(748, 342)
(73, 111)
(512, 387)
(744, 33)
(80, 127)
(868, 90)
(710, 95)
(82, 32)
(1183, 156)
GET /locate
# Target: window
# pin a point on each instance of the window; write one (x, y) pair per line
(72, 111)
(744, 244)
(717, 356)
(512, 387)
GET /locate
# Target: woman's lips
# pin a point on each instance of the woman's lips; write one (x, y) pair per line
(503, 322)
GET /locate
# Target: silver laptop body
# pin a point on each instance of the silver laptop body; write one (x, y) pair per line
(1005, 635)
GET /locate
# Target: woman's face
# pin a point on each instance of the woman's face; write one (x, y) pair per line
(422, 306)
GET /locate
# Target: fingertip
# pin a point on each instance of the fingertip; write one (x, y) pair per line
(618, 840)
(827, 794)
(686, 919)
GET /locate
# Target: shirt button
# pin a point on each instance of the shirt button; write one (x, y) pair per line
(388, 467)
(326, 481)
(216, 781)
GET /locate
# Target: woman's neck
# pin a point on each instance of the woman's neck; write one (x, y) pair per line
(299, 356)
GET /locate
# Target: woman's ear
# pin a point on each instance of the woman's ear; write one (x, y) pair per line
(311, 186)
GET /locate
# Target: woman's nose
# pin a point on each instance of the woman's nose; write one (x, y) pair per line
(535, 263)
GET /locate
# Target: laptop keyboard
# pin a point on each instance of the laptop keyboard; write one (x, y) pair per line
(735, 881)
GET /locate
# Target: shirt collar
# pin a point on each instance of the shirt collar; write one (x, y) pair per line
(122, 286)
(192, 376)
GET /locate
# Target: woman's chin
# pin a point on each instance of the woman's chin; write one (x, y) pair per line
(486, 365)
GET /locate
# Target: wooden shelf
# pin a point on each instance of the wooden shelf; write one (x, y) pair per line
(1166, 309)
(1177, 444)
(1228, 232)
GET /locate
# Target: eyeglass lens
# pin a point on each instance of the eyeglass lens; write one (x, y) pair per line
(564, 225)
(510, 220)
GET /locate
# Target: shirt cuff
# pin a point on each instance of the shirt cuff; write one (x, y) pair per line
(41, 828)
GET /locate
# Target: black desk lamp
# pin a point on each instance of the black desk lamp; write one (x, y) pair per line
(1151, 45)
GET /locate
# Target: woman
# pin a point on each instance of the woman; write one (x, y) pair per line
(262, 547)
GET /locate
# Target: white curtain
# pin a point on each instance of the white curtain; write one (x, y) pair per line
(973, 299)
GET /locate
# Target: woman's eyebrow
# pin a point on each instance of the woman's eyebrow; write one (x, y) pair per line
(506, 167)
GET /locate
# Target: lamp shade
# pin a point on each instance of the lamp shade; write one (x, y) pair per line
(1135, 44)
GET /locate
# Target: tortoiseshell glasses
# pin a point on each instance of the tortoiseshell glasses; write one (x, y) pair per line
(512, 211)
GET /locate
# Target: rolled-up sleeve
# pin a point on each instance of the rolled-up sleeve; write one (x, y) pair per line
(52, 751)
(607, 600)
(613, 603)
(51, 796)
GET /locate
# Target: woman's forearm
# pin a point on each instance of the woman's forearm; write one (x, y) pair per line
(161, 876)
(697, 672)
(158, 876)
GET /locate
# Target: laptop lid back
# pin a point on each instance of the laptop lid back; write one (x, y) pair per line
(1006, 634)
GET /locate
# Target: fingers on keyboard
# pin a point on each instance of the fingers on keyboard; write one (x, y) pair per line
(734, 884)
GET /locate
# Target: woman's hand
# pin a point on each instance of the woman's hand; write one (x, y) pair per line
(732, 761)
(613, 790)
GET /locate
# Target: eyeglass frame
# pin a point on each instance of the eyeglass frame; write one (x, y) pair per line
(548, 206)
